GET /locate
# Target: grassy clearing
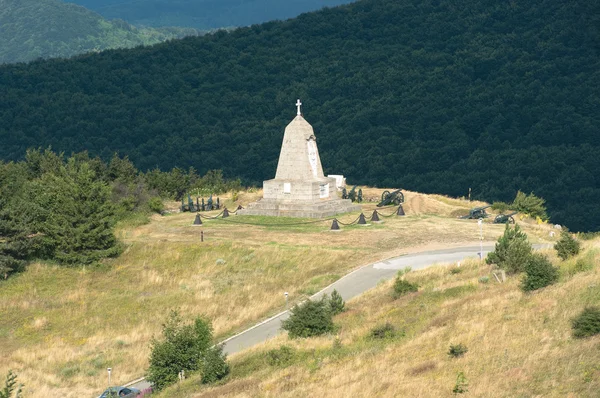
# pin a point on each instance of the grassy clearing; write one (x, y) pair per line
(518, 344)
(61, 327)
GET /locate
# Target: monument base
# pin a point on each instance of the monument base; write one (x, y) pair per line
(282, 208)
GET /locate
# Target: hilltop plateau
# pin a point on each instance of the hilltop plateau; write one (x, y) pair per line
(62, 326)
(425, 95)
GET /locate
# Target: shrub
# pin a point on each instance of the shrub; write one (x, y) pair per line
(384, 331)
(455, 270)
(282, 356)
(402, 287)
(461, 384)
(512, 250)
(336, 303)
(567, 246)
(10, 386)
(587, 323)
(484, 279)
(312, 318)
(156, 205)
(183, 347)
(214, 366)
(539, 273)
(457, 350)
(500, 207)
(530, 204)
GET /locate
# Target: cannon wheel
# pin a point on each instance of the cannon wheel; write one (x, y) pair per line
(385, 195)
(511, 220)
(399, 198)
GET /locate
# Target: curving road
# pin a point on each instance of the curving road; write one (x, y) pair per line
(349, 286)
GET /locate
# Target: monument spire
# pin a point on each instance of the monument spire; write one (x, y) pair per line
(299, 104)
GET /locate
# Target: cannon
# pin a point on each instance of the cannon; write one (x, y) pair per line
(190, 205)
(476, 213)
(391, 198)
(352, 194)
(505, 218)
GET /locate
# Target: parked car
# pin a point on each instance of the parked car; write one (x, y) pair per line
(120, 392)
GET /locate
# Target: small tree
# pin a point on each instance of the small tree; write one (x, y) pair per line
(530, 204)
(512, 250)
(336, 303)
(539, 273)
(461, 385)
(11, 386)
(587, 323)
(457, 350)
(312, 318)
(567, 246)
(215, 365)
(183, 347)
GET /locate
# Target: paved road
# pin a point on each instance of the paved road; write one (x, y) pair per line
(349, 286)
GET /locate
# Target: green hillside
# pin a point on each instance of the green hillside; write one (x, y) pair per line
(203, 14)
(424, 95)
(32, 29)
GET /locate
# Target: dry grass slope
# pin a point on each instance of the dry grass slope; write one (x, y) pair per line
(61, 327)
(519, 345)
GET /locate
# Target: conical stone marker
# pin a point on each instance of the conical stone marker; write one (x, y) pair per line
(362, 220)
(225, 213)
(375, 216)
(198, 220)
(400, 211)
(334, 225)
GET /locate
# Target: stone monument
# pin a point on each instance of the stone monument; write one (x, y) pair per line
(300, 188)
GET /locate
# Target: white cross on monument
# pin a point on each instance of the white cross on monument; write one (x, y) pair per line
(299, 104)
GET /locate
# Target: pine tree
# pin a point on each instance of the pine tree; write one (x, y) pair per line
(567, 246)
(512, 250)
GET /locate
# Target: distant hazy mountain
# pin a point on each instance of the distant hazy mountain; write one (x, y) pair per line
(31, 29)
(204, 14)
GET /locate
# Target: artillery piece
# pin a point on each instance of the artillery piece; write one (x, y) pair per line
(394, 198)
(477, 213)
(353, 195)
(505, 218)
(190, 205)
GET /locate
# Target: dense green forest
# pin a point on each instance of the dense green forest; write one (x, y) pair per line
(434, 96)
(203, 14)
(31, 29)
(64, 209)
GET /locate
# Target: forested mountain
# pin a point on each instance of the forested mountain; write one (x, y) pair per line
(204, 14)
(430, 95)
(31, 29)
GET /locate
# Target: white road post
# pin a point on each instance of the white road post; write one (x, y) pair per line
(109, 370)
(286, 300)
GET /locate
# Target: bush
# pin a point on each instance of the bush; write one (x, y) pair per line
(183, 347)
(455, 270)
(500, 207)
(10, 386)
(587, 323)
(484, 279)
(512, 250)
(156, 205)
(457, 350)
(336, 303)
(282, 356)
(461, 384)
(402, 287)
(567, 246)
(539, 273)
(530, 204)
(214, 366)
(383, 332)
(312, 318)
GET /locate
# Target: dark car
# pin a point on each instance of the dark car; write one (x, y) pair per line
(120, 392)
